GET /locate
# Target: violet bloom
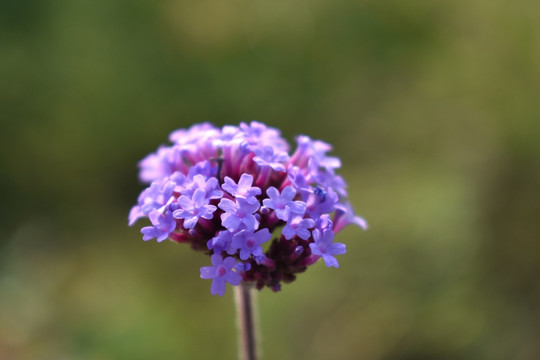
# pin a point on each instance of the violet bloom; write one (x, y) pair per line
(324, 247)
(298, 226)
(221, 242)
(229, 190)
(210, 187)
(249, 243)
(156, 197)
(283, 203)
(243, 189)
(163, 225)
(321, 202)
(238, 213)
(205, 168)
(161, 164)
(221, 272)
(345, 215)
(268, 156)
(191, 210)
(299, 182)
(258, 134)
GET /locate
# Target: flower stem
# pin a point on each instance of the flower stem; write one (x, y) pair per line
(245, 314)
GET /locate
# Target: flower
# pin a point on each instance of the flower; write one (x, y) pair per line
(191, 210)
(243, 189)
(283, 203)
(239, 213)
(221, 272)
(298, 226)
(324, 247)
(249, 243)
(236, 193)
(268, 156)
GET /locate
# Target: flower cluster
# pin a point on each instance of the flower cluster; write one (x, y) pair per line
(229, 191)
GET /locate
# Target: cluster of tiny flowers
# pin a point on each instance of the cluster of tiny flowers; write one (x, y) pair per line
(229, 191)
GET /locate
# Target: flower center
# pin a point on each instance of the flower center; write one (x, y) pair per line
(222, 271)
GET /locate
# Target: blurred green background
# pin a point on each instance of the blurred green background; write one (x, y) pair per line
(433, 107)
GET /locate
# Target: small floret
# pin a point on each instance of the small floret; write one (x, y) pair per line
(191, 210)
(283, 203)
(267, 156)
(221, 272)
(163, 225)
(238, 213)
(324, 247)
(298, 226)
(249, 243)
(243, 189)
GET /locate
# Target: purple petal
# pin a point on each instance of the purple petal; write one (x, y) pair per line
(190, 222)
(288, 232)
(297, 207)
(337, 249)
(245, 182)
(303, 233)
(234, 278)
(272, 192)
(208, 272)
(330, 261)
(218, 287)
(288, 193)
(230, 221)
(227, 205)
(229, 262)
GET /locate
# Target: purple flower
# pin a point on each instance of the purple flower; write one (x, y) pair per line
(156, 197)
(243, 189)
(248, 172)
(321, 202)
(221, 272)
(193, 134)
(283, 203)
(210, 187)
(163, 225)
(161, 164)
(345, 215)
(298, 226)
(193, 209)
(314, 151)
(258, 134)
(328, 179)
(299, 181)
(323, 246)
(204, 168)
(268, 157)
(238, 213)
(221, 242)
(324, 222)
(249, 243)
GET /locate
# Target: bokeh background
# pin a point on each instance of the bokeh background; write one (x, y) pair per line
(433, 107)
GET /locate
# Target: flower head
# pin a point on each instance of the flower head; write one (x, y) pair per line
(230, 191)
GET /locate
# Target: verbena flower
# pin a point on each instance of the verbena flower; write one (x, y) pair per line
(262, 214)
(326, 248)
(283, 203)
